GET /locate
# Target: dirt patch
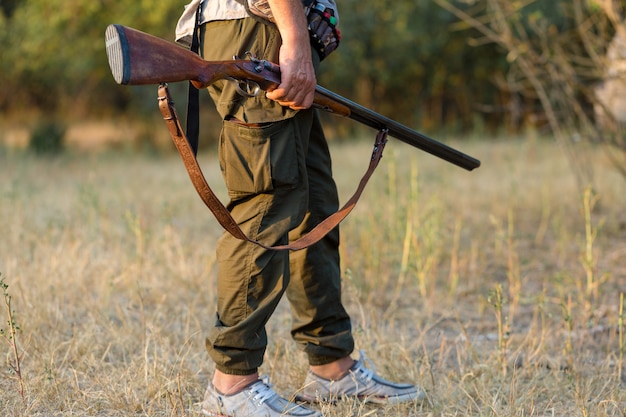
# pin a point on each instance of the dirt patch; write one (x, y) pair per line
(93, 135)
(15, 137)
(99, 135)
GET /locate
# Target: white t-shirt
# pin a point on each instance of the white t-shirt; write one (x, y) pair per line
(211, 10)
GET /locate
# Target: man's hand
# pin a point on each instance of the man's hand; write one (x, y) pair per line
(298, 80)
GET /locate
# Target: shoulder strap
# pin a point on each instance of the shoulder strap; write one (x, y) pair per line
(193, 101)
(223, 216)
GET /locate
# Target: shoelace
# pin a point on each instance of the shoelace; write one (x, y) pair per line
(262, 391)
(367, 373)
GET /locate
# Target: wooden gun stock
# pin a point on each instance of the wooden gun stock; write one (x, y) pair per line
(137, 58)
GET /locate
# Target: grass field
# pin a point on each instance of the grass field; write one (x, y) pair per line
(499, 291)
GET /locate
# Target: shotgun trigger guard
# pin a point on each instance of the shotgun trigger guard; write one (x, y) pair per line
(246, 88)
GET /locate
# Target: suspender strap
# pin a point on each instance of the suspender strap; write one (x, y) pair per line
(223, 216)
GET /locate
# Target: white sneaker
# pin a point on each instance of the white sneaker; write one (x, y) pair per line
(359, 382)
(256, 400)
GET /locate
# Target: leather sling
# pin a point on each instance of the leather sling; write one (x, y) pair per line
(221, 213)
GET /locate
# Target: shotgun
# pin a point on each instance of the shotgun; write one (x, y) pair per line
(138, 58)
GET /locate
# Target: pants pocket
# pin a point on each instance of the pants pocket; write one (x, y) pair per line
(258, 159)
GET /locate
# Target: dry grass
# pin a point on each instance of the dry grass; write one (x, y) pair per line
(492, 289)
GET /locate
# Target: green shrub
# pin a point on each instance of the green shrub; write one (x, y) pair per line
(47, 138)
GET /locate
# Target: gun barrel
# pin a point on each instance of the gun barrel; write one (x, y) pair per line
(399, 131)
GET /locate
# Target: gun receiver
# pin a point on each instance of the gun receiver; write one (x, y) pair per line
(137, 58)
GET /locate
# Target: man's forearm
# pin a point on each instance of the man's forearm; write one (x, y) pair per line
(298, 81)
(291, 21)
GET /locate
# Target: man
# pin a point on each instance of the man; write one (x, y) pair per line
(276, 165)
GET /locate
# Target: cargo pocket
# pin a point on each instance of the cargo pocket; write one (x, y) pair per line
(258, 159)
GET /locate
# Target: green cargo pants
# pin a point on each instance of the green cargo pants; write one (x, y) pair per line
(276, 165)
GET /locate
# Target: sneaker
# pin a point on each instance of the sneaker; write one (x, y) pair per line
(256, 400)
(359, 382)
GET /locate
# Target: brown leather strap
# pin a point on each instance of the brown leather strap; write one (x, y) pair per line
(223, 216)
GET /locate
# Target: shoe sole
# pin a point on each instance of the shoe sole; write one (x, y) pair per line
(216, 414)
(211, 414)
(398, 399)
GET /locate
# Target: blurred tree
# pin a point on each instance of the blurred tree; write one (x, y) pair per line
(412, 60)
(7, 7)
(56, 53)
(404, 59)
(558, 54)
